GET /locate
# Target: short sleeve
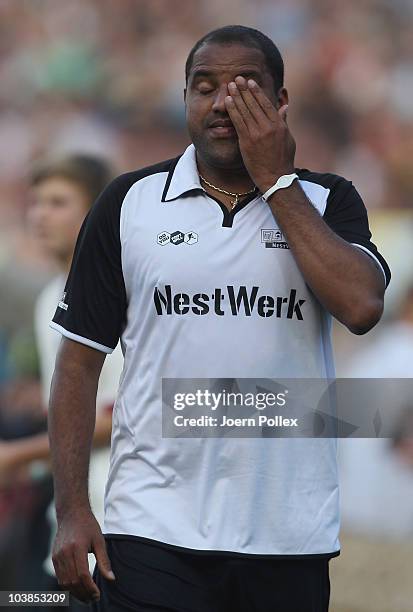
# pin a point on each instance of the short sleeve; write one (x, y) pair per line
(92, 309)
(346, 215)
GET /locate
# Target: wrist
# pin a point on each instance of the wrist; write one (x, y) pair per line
(281, 184)
(291, 196)
(75, 511)
(270, 180)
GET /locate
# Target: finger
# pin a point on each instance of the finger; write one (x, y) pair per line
(266, 104)
(254, 108)
(102, 559)
(235, 116)
(65, 569)
(78, 591)
(67, 576)
(59, 572)
(86, 583)
(241, 107)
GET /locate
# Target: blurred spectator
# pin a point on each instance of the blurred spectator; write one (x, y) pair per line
(376, 479)
(391, 353)
(63, 191)
(376, 487)
(403, 436)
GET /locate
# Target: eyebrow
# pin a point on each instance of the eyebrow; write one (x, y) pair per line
(209, 73)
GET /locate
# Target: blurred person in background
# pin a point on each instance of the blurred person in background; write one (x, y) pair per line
(25, 490)
(63, 190)
(376, 479)
(403, 436)
(390, 354)
(376, 485)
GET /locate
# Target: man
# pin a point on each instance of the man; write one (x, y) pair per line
(211, 524)
(63, 190)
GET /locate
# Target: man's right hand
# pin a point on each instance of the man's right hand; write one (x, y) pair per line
(78, 534)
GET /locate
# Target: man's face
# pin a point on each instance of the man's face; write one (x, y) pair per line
(58, 209)
(209, 125)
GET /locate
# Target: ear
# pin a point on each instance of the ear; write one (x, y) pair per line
(282, 97)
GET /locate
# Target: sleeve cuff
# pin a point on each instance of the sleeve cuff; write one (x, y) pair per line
(81, 339)
(366, 250)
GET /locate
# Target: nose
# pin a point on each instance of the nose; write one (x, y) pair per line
(219, 101)
(37, 214)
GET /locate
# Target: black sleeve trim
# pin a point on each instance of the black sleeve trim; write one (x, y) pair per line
(80, 339)
(346, 214)
(375, 259)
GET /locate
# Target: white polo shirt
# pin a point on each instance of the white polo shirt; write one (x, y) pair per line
(196, 291)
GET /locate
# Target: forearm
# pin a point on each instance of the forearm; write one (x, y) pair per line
(37, 448)
(345, 280)
(72, 414)
(30, 449)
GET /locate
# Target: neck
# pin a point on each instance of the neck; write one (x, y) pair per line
(64, 263)
(236, 180)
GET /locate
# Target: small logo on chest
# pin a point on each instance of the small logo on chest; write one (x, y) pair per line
(177, 238)
(273, 239)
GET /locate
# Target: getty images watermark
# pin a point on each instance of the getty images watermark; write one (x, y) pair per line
(223, 399)
(304, 408)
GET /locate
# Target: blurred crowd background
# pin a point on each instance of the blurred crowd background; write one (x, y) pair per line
(106, 77)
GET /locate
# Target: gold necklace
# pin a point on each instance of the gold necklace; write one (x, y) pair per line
(230, 193)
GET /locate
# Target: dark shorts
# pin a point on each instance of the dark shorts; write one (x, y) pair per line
(153, 578)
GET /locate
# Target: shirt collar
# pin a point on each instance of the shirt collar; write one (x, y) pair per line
(183, 176)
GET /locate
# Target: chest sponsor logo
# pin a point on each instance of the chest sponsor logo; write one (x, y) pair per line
(273, 239)
(240, 301)
(177, 238)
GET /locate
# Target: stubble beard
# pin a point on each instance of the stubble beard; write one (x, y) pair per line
(225, 157)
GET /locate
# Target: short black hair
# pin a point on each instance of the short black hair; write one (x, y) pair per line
(249, 37)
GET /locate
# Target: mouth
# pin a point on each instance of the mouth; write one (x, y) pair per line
(222, 129)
